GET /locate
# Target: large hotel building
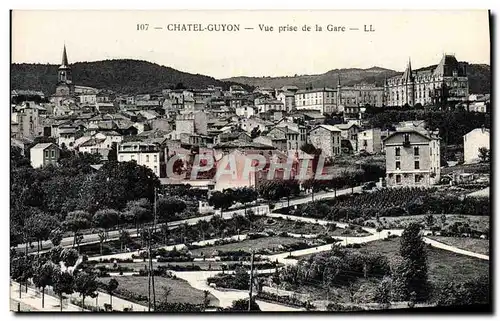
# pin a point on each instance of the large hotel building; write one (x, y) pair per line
(435, 85)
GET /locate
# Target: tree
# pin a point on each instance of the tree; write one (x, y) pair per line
(56, 236)
(63, 284)
(242, 305)
(105, 219)
(55, 254)
(19, 270)
(86, 284)
(125, 238)
(429, 220)
(76, 221)
(112, 154)
(245, 195)
(39, 227)
(383, 292)
(411, 274)
(167, 208)
(255, 132)
(484, 154)
(44, 276)
(313, 185)
(290, 187)
(101, 234)
(443, 220)
(69, 257)
(221, 200)
(166, 292)
(110, 288)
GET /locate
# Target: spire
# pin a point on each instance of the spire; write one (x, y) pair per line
(407, 76)
(64, 57)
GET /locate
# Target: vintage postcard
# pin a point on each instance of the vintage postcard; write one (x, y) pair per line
(224, 161)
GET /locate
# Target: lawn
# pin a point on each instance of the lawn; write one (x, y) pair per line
(443, 267)
(278, 225)
(248, 245)
(465, 243)
(181, 291)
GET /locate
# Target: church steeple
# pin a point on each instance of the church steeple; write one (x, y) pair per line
(64, 72)
(64, 58)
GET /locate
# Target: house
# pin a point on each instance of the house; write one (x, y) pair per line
(292, 137)
(251, 123)
(323, 100)
(106, 108)
(245, 111)
(370, 141)
(287, 99)
(268, 105)
(349, 133)
(473, 141)
(28, 118)
(412, 157)
(327, 138)
(146, 154)
(276, 142)
(44, 154)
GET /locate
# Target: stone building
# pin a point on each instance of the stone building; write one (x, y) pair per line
(412, 157)
(327, 138)
(446, 83)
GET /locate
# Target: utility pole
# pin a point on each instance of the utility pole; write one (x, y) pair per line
(251, 282)
(151, 277)
(154, 211)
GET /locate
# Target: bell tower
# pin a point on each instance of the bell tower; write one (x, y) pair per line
(65, 87)
(64, 71)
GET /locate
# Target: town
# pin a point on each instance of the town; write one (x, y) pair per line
(354, 197)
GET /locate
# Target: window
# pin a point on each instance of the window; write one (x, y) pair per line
(417, 165)
(416, 151)
(398, 151)
(430, 151)
(155, 159)
(398, 165)
(121, 158)
(156, 168)
(418, 178)
(46, 154)
(407, 138)
(147, 158)
(53, 153)
(398, 179)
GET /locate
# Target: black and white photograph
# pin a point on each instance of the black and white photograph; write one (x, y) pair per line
(250, 161)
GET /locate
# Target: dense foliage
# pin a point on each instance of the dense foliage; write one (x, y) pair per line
(120, 75)
(452, 125)
(394, 202)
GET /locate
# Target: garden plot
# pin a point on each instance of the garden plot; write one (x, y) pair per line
(135, 288)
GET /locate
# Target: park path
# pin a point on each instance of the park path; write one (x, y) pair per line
(34, 299)
(198, 280)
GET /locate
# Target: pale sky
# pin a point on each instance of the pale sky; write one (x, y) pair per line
(38, 36)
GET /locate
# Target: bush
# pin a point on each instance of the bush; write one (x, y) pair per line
(285, 299)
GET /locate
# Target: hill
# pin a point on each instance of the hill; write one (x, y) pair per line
(348, 77)
(479, 78)
(120, 75)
